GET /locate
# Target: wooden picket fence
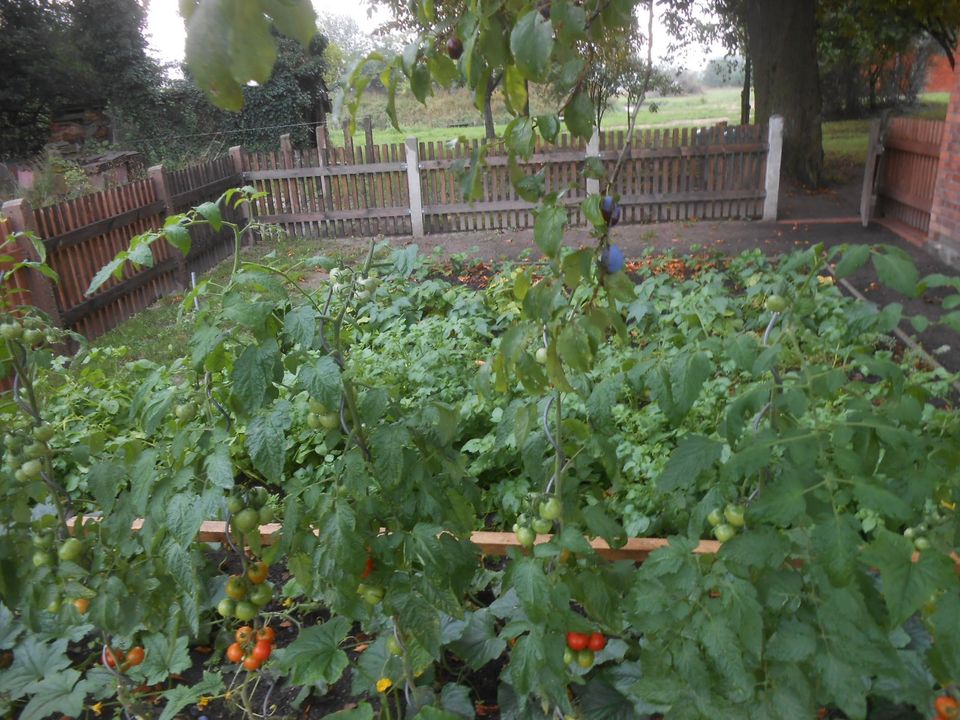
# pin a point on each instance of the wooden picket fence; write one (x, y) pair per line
(83, 235)
(906, 174)
(414, 188)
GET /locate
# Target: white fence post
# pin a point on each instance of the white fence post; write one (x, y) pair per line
(593, 150)
(413, 183)
(774, 158)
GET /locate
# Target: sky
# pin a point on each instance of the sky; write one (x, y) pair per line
(166, 34)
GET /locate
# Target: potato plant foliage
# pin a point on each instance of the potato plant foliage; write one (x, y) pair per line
(386, 415)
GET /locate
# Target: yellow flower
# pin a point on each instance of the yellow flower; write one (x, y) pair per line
(384, 684)
(947, 505)
(97, 709)
(203, 701)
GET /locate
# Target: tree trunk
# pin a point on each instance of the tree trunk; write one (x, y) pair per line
(783, 46)
(490, 130)
(745, 92)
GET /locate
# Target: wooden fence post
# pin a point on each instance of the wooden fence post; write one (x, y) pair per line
(870, 173)
(347, 137)
(20, 215)
(368, 136)
(593, 150)
(161, 192)
(774, 158)
(236, 155)
(413, 183)
(322, 143)
(286, 150)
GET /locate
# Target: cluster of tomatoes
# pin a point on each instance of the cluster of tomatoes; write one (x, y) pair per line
(251, 647)
(726, 522)
(247, 593)
(249, 510)
(947, 707)
(321, 417)
(550, 510)
(25, 452)
(116, 658)
(29, 331)
(582, 648)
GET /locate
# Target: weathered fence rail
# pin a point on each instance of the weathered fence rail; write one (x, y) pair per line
(905, 177)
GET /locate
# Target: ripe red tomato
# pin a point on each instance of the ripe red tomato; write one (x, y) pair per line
(367, 569)
(244, 634)
(266, 633)
(257, 572)
(577, 641)
(135, 656)
(597, 642)
(251, 663)
(262, 650)
(947, 707)
(112, 657)
(235, 653)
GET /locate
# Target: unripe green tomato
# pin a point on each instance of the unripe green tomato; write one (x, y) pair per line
(313, 421)
(54, 606)
(235, 504)
(393, 647)
(921, 543)
(335, 273)
(542, 526)
(265, 515)
(568, 656)
(715, 517)
(32, 336)
(551, 509)
(734, 515)
(246, 520)
(526, 536)
(910, 533)
(329, 421)
(245, 611)
(186, 412)
(42, 559)
(372, 594)
(259, 496)
(724, 532)
(363, 295)
(317, 407)
(585, 658)
(541, 355)
(12, 442)
(32, 468)
(11, 331)
(20, 476)
(226, 608)
(261, 594)
(43, 541)
(44, 433)
(71, 549)
(776, 303)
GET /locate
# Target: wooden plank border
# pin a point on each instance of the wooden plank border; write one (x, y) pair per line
(211, 191)
(101, 227)
(89, 307)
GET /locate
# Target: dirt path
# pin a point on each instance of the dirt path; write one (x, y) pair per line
(729, 238)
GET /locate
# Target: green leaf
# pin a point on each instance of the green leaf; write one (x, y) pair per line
(321, 378)
(432, 713)
(111, 269)
(252, 49)
(420, 82)
(515, 89)
(600, 523)
(183, 695)
(693, 455)
(211, 212)
(479, 643)
(184, 516)
(519, 137)
(315, 656)
(62, 693)
(896, 270)
(208, 55)
(549, 127)
(548, 229)
(266, 440)
(32, 662)
(574, 347)
(792, 642)
(528, 579)
(294, 18)
(179, 237)
(456, 699)
(219, 465)
(835, 544)
(579, 116)
(531, 43)
(907, 585)
(164, 656)
(300, 325)
(254, 373)
(363, 711)
(853, 259)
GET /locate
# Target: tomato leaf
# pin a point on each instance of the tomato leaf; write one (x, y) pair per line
(266, 440)
(693, 455)
(315, 656)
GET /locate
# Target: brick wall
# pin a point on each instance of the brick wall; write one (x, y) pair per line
(945, 215)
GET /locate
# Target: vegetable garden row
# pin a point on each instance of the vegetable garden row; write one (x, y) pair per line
(381, 421)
